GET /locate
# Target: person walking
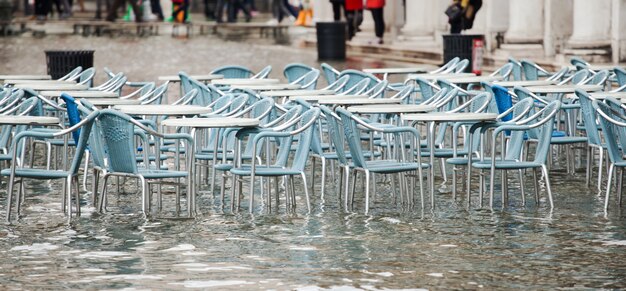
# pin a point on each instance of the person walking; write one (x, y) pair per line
(461, 14)
(337, 5)
(354, 16)
(376, 7)
(112, 14)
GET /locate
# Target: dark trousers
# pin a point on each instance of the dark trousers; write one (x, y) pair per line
(219, 10)
(155, 7)
(337, 10)
(120, 3)
(354, 18)
(107, 4)
(182, 8)
(233, 9)
(379, 21)
(209, 9)
(280, 10)
(43, 7)
(456, 25)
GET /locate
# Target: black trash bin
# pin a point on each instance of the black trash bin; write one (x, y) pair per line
(62, 62)
(331, 40)
(465, 46)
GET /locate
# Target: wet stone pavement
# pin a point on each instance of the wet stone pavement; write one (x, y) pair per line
(575, 246)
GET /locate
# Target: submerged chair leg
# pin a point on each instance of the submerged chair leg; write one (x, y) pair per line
(548, 188)
(323, 177)
(600, 170)
(588, 171)
(521, 185)
(102, 203)
(367, 191)
(306, 192)
(252, 191)
(536, 186)
(608, 187)
(10, 196)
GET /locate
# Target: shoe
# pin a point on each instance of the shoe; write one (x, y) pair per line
(380, 40)
(272, 21)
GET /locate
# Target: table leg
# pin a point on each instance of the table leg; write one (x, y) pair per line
(431, 145)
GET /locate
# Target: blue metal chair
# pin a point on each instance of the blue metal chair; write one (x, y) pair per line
(338, 85)
(356, 76)
(398, 163)
(450, 64)
(308, 81)
(613, 124)
(295, 71)
(578, 61)
(331, 74)
(281, 167)
(594, 141)
(517, 69)
(233, 71)
(73, 73)
(532, 71)
(263, 73)
(510, 155)
(118, 135)
(70, 175)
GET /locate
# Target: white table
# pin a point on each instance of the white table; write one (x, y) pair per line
(230, 82)
(389, 71)
(25, 77)
(524, 83)
(217, 122)
(358, 101)
(473, 80)
(602, 95)
(267, 87)
(432, 119)
(317, 98)
(21, 81)
(28, 120)
(108, 102)
(289, 93)
(563, 89)
(201, 78)
(47, 87)
(391, 109)
(169, 110)
(441, 76)
(80, 94)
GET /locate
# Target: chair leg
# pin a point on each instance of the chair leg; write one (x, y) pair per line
(85, 171)
(504, 188)
(600, 170)
(620, 176)
(521, 185)
(77, 195)
(323, 177)
(492, 180)
(144, 196)
(367, 191)
(588, 170)
(608, 187)
(68, 195)
(536, 182)
(346, 174)
(102, 203)
(10, 196)
(548, 188)
(94, 187)
(306, 192)
(313, 162)
(252, 192)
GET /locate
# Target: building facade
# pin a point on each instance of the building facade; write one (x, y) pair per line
(550, 29)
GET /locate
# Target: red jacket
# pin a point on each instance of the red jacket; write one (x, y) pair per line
(375, 4)
(352, 5)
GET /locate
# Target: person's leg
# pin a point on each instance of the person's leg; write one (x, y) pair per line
(136, 10)
(231, 10)
(292, 10)
(219, 11)
(112, 13)
(379, 22)
(350, 22)
(155, 7)
(359, 20)
(456, 26)
(336, 11)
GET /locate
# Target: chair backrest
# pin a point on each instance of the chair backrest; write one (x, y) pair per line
(157, 95)
(620, 73)
(427, 89)
(86, 77)
(185, 82)
(599, 78)
(233, 71)
(356, 76)
(263, 73)
(357, 88)
(146, 90)
(221, 103)
(335, 133)
(353, 137)
(308, 81)
(378, 91)
(503, 100)
(577, 61)
(577, 78)
(558, 76)
(73, 116)
(117, 132)
(545, 125)
(589, 117)
(461, 66)
(74, 72)
(532, 71)
(294, 71)
(339, 84)
(504, 71)
(450, 64)
(613, 126)
(404, 94)
(331, 74)
(83, 138)
(305, 129)
(517, 69)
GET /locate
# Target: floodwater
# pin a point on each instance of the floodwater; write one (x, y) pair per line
(575, 246)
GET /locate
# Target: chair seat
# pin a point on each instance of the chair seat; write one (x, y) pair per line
(37, 173)
(246, 170)
(568, 139)
(505, 164)
(391, 166)
(161, 174)
(444, 153)
(61, 142)
(334, 156)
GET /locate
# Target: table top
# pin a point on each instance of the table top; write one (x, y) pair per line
(162, 109)
(317, 98)
(563, 88)
(597, 67)
(602, 95)
(22, 81)
(113, 101)
(231, 82)
(288, 93)
(391, 108)
(473, 79)
(395, 70)
(28, 120)
(358, 101)
(62, 86)
(268, 87)
(217, 122)
(441, 76)
(176, 78)
(80, 94)
(443, 116)
(25, 77)
(525, 83)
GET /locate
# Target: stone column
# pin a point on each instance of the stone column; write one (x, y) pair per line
(618, 31)
(592, 24)
(525, 21)
(420, 20)
(322, 11)
(558, 21)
